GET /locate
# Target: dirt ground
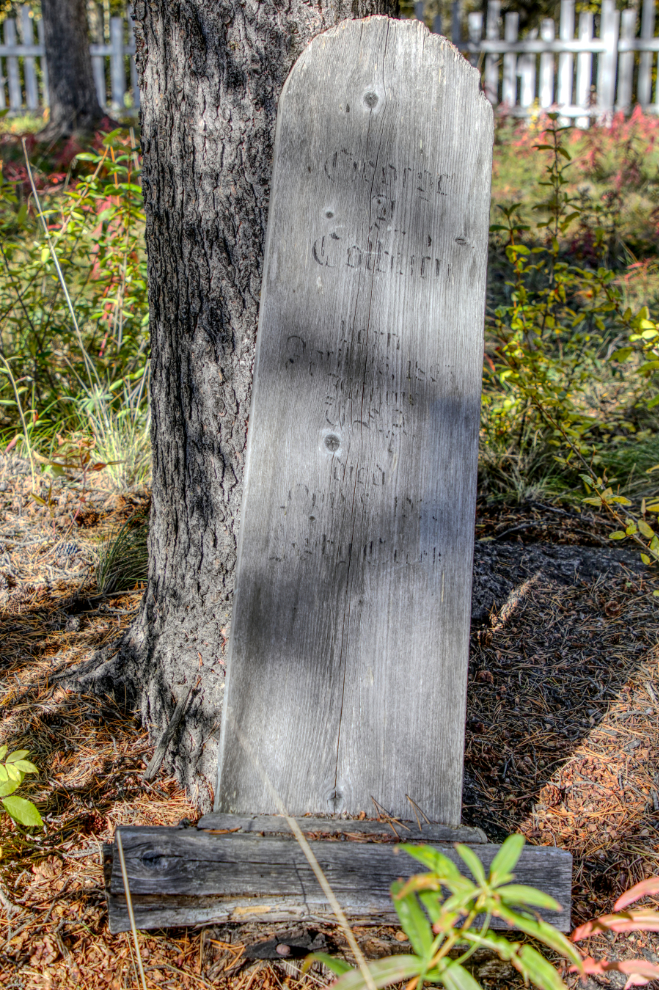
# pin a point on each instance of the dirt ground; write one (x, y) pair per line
(561, 745)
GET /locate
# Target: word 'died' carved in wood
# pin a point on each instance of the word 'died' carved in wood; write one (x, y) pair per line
(348, 659)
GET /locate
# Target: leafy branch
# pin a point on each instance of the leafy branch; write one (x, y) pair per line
(440, 926)
(13, 769)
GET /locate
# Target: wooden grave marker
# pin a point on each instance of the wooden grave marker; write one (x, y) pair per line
(347, 669)
(348, 656)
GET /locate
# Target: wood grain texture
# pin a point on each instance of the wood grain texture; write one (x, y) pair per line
(185, 877)
(348, 656)
(409, 831)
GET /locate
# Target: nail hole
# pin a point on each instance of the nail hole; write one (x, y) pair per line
(329, 214)
(332, 442)
(370, 100)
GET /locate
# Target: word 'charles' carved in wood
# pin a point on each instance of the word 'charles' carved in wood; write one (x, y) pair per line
(348, 658)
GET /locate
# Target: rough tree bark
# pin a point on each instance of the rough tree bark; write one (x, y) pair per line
(73, 102)
(211, 72)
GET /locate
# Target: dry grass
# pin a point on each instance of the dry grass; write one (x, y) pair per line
(562, 744)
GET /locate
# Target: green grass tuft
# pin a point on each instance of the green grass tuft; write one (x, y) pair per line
(123, 560)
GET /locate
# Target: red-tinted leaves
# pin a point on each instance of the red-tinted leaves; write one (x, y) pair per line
(639, 971)
(627, 921)
(635, 893)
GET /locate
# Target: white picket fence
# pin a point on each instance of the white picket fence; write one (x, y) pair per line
(586, 77)
(24, 73)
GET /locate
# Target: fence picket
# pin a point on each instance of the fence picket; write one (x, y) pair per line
(626, 61)
(117, 70)
(491, 75)
(456, 25)
(98, 71)
(566, 59)
(475, 28)
(584, 66)
(29, 69)
(98, 62)
(509, 85)
(13, 78)
(646, 58)
(547, 33)
(45, 92)
(526, 69)
(607, 60)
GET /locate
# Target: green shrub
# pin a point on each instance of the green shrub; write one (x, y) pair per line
(73, 302)
(571, 370)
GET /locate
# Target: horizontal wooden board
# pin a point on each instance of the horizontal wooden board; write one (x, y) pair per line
(188, 877)
(319, 828)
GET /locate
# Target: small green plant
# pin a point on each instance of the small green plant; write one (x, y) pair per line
(13, 768)
(436, 925)
(446, 930)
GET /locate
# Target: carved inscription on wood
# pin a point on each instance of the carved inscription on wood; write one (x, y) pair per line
(348, 657)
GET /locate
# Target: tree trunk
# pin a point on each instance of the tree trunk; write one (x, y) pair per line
(211, 72)
(73, 102)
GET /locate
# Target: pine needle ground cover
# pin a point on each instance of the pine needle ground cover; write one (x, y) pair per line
(562, 745)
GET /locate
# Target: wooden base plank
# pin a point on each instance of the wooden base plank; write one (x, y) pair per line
(351, 828)
(194, 877)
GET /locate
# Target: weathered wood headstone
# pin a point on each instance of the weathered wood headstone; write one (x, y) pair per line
(348, 658)
(348, 654)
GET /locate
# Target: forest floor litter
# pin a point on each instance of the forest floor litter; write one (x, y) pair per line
(561, 745)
